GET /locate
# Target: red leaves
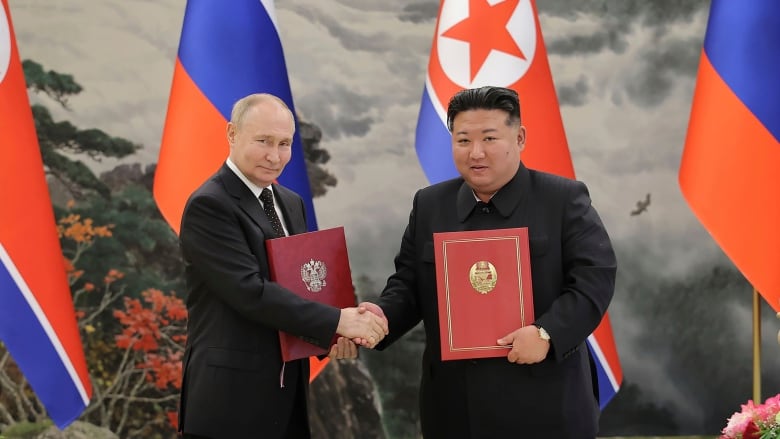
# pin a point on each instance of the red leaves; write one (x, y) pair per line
(155, 328)
(164, 370)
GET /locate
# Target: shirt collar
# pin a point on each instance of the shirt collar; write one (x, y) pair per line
(252, 187)
(505, 200)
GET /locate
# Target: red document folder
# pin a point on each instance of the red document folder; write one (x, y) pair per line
(484, 291)
(315, 266)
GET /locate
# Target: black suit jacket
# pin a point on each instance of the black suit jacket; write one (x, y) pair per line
(573, 273)
(234, 384)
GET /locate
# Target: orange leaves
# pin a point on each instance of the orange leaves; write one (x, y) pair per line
(81, 231)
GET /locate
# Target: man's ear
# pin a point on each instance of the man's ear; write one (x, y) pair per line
(230, 131)
(521, 138)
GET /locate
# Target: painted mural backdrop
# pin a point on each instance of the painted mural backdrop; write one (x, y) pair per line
(624, 72)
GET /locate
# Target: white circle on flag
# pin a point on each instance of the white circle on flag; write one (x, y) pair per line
(5, 43)
(500, 68)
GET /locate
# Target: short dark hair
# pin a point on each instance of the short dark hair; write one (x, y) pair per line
(485, 98)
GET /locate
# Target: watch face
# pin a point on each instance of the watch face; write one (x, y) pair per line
(543, 334)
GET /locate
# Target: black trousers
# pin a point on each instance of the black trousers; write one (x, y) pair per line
(298, 428)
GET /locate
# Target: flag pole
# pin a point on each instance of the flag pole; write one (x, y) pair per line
(756, 347)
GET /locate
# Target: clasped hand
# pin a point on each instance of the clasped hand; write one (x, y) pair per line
(364, 328)
(364, 325)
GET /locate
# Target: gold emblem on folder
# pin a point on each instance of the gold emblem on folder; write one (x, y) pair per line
(483, 277)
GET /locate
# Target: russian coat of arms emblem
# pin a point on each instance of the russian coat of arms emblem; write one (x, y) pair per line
(313, 275)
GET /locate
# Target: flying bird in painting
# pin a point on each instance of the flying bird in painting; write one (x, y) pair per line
(641, 206)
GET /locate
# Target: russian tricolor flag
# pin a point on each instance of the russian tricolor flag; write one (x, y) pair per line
(729, 172)
(228, 50)
(481, 42)
(37, 320)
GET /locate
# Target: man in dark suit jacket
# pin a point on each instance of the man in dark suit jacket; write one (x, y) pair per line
(545, 387)
(235, 384)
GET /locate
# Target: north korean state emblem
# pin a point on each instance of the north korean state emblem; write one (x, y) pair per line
(313, 275)
(483, 276)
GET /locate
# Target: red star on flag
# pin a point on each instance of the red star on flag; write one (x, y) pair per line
(485, 29)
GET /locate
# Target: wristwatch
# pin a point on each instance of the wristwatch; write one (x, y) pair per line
(543, 334)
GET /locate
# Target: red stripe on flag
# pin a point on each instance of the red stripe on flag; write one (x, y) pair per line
(194, 145)
(729, 177)
(546, 146)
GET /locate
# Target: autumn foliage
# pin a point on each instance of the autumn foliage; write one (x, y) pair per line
(146, 326)
(133, 342)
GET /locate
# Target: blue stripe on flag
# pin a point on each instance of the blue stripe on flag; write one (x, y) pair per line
(606, 390)
(231, 50)
(35, 354)
(743, 44)
(433, 143)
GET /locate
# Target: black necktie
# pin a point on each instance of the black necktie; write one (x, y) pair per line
(268, 206)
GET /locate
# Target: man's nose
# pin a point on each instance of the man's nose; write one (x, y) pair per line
(477, 151)
(273, 155)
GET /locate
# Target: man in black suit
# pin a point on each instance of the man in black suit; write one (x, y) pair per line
(545, 387)
(235, 384)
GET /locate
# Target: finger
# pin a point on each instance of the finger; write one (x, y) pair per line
(383, 324)
(507, 339)
(344, 348)
(353, 350)
(347, 348)
(376, 325)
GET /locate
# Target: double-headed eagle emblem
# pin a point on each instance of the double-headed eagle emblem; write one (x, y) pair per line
(313, 275)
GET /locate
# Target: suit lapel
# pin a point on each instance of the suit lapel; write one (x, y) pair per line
(290, 206)
(246, 200)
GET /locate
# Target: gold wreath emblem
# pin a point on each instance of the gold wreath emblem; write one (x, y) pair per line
(483, 276)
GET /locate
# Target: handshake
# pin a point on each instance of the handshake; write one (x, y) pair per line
(364, 325)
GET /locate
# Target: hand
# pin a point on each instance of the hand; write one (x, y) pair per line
(376, 309)
(527, 347)
(373, 308)
(343, 349)
(364, 327)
